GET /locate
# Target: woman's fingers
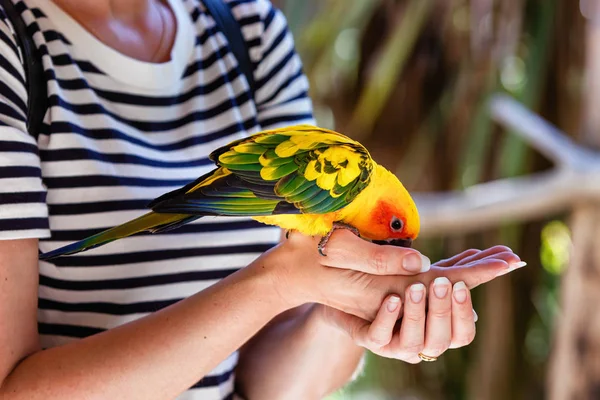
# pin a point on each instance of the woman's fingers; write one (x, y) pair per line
(346, 250)
(492, 251)
(472, 255)
(449, 262)
(480, 271)
(448, 323)
(477, 267)
(463, 316)
(371, 335)
(411, 338)
(438, 333)
(381, 330)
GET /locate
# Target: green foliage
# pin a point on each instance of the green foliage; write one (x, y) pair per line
(555, 247)
(394, 56)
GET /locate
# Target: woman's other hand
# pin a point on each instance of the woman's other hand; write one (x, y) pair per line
(433, 321)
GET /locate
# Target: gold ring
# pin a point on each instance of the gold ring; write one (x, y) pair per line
(427, 358)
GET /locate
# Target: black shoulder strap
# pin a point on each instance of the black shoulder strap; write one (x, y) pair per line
(227, 23)
(37, 97)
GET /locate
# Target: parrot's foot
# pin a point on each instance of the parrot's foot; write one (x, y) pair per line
(325, 239)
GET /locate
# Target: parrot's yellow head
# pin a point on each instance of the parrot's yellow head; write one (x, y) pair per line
(385, 212)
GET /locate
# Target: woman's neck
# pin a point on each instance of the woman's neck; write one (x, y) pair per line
(142, 29)
(127, 10)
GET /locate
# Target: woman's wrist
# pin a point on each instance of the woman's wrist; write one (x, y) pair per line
(282, 266)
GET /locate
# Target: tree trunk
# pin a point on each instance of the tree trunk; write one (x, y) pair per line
(575, 365)
(490, 373)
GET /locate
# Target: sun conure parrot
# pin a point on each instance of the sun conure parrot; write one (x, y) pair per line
(301, 178)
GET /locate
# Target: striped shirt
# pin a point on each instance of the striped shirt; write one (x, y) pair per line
(118, 133)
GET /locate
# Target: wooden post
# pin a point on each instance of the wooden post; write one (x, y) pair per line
(575, 363)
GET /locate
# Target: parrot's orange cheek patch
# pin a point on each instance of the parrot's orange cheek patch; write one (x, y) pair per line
(381, 217)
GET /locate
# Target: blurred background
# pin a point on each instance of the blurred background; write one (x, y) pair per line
(411, 79)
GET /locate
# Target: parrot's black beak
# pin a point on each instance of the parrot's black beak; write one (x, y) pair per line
(395, 242)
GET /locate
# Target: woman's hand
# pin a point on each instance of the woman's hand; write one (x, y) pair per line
(357, 275)
(449, 321)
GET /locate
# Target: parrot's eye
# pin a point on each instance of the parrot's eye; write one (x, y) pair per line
(396, 224)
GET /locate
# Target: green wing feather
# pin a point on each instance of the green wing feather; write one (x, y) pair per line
(315, 169)
(299, 169)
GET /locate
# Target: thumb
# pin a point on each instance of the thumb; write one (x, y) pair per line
(348, 251)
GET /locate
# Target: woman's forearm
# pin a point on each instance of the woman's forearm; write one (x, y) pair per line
(155, 357)
(298, 357)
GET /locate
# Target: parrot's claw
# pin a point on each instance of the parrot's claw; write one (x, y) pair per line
(321, 248)
(325, 239)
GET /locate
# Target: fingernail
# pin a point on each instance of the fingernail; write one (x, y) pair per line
(392, 304)
(460, 292)
(416, 292)
(512, 267)
(416, 262)
(440, 287)
(475, 316)
(520, 264)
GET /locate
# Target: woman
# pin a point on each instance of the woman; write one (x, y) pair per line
(140, 92)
